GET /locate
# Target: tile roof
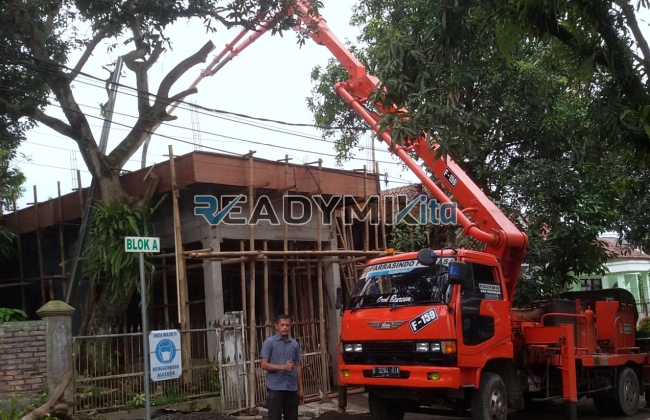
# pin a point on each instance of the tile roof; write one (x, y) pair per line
(623, 252)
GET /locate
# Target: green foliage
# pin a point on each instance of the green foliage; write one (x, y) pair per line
(107, 263)
(644, 325)
(139, 400)
(41, 58)
(407, 238)
(539, 102)
(9, 314)
(13, 413)
(6, 242)
(167, 399)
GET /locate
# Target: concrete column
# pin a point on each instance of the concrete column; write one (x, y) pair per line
(58, 343)
(332, 281)
(213, 284)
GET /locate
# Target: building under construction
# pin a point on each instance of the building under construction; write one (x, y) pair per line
(277, 251)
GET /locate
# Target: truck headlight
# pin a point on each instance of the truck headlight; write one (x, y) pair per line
(422, 346)
(352, 347)
(435, 346)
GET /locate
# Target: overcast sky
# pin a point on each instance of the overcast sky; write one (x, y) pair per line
(268, 80)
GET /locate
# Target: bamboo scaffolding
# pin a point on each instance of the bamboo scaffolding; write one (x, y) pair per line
(19, 246)
(61, 239)
(39, 249)
(291, 252)
(181, 279)
(251, 319)
(165, 292)
(184, 253)
(382, 216)
(319, 273)
(285, 266)
(366, 222)
(267, 309)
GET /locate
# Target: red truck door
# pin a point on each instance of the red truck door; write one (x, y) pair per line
(484, 318)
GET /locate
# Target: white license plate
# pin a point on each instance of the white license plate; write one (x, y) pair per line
(385, 372)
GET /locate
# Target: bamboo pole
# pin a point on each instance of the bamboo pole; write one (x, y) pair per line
(242, 272)
(285, 263)
(366, 223)
(184, 253)
(61, 241)
(19, 246)
(267, 309)
(321, 312)
(382, 216)
(39, 250)
(181, 281)
(165, 292)
(310, 292)
(294, 295)
(280, 254)
(253, 331)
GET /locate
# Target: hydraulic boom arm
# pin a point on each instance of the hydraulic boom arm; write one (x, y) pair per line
(487, 224)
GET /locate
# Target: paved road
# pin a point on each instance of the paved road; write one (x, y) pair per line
(552, 411)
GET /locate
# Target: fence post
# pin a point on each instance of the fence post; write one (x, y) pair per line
(58, 343)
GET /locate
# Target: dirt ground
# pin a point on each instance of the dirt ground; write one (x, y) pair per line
(198, 415)
(335, 415)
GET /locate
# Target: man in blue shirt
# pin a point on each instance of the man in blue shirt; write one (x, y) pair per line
(280, 357)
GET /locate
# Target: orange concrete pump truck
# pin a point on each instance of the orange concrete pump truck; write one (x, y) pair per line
(435, 330)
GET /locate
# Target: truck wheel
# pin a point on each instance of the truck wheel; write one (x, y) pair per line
(490, 400)
(627, 393)
(384, 409)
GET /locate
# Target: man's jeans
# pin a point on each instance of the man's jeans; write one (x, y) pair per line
(279, 402)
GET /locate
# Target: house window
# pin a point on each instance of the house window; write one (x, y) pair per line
(591, 284)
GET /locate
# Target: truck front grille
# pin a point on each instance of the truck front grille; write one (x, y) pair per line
(398, 352)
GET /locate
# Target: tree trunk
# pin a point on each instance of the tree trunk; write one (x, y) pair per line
(108, 315)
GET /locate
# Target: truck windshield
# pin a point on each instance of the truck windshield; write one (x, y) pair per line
(400, 283)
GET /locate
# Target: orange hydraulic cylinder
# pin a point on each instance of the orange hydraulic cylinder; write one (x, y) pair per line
(568, 357)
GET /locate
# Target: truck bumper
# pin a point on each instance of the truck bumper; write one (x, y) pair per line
(410, 376)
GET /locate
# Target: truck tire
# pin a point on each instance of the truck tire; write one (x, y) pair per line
(627, 393)
(384, 409)
(490, 400)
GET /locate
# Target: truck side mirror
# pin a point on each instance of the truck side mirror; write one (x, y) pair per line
(457, 273)
(339, 298)
(426, 257)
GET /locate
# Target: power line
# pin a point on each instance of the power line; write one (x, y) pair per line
(247, 141)
(46, 69)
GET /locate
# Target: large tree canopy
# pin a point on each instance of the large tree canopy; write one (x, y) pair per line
(36, 70)
(545, 105)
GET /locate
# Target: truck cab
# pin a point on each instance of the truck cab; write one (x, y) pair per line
(430, 321)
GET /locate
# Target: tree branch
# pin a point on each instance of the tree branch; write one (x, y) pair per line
(54, 123)
(630, 17)
(159, 110)
(158, 49)
(180, 69)
(139, 68)
(54, 12)
(99, 36)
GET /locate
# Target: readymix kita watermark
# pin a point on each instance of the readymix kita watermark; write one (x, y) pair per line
(299, 210)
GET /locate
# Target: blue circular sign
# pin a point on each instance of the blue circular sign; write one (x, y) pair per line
(165, 351)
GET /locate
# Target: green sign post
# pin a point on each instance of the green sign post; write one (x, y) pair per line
(142, 245)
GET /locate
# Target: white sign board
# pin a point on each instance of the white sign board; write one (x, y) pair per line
(165, 356)
(138, 244)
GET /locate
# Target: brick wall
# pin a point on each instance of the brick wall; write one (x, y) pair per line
(22, 358)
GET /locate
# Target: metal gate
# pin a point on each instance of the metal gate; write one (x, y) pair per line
(231, 362)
